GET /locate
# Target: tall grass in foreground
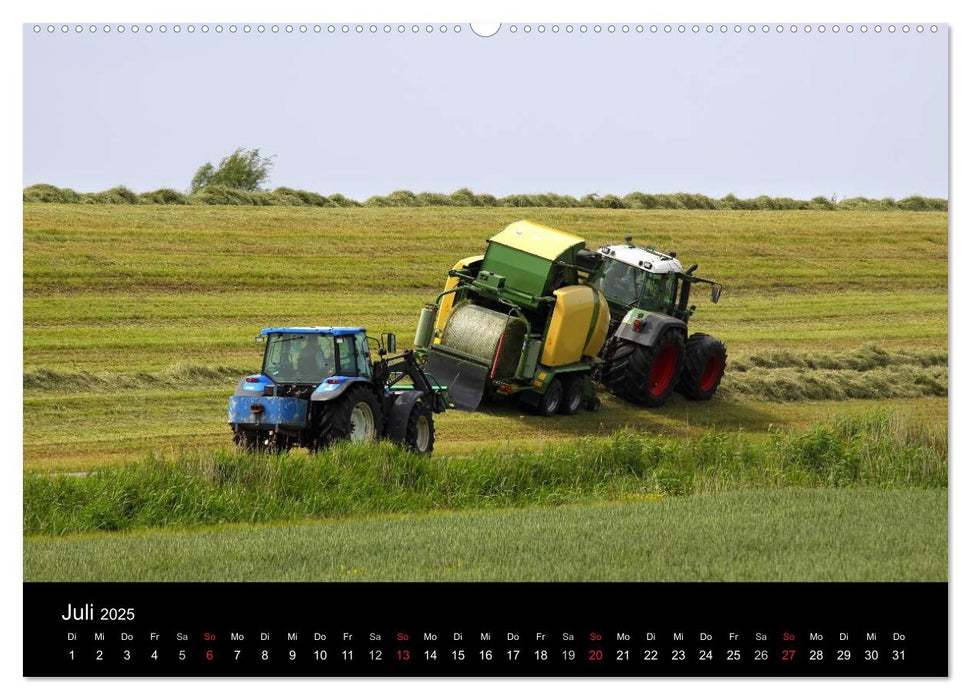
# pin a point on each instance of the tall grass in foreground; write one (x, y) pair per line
(876, 449)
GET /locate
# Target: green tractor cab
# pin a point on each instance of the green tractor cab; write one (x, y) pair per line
(649, 353)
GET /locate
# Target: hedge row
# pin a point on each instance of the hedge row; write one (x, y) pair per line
(287, 197)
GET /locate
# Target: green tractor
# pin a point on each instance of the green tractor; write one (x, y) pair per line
(541, 317)
(649, 353)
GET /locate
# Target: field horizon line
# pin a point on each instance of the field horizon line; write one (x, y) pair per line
(42, 193)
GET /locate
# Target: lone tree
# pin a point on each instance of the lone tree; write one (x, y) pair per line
(242, 170)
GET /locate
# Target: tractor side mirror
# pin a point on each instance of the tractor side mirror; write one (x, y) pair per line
(716, 293)
(259, 339)
(391, 342)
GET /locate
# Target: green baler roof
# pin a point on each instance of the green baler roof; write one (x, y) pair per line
(526, 254)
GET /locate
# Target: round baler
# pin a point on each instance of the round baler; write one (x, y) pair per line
(520, 321)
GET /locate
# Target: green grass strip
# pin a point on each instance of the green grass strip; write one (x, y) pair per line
(874, 449)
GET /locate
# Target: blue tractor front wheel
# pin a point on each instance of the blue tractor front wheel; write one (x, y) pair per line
(420, 432)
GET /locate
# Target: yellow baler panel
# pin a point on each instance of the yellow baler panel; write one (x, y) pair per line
(445, 305)
(575, 323)
(598, 335)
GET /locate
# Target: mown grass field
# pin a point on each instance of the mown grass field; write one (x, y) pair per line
(139, 320)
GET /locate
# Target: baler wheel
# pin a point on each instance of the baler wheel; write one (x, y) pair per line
(572, 395)
(642, 374)
(704, 367)
(551, 401)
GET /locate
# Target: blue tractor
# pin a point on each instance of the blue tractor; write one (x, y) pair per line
(319, 385)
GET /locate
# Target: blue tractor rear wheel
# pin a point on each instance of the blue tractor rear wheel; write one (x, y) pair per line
(355, 416)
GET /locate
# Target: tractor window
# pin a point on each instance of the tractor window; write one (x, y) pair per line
(620, 282)
(299, 358)
(657, 291)
(363, 355)
(346, 358)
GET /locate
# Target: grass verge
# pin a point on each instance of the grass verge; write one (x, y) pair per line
(866, 534)
(872, 449)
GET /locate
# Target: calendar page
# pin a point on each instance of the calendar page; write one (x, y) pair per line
(427, 348)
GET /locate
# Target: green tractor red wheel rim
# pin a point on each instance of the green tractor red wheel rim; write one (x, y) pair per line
(662, 370)
(710, 376)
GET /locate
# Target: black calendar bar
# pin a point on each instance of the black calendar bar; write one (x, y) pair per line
(485, 629)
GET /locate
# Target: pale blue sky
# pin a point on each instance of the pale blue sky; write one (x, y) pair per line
(779, 114)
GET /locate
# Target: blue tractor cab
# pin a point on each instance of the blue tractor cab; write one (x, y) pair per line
(311, 355)
(319, 384)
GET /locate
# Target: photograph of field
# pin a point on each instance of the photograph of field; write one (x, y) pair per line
(822, 457)
(754, 388)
